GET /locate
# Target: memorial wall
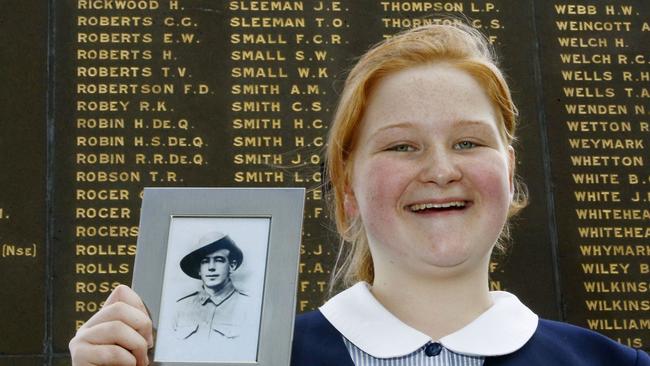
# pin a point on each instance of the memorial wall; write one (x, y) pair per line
(104, 97)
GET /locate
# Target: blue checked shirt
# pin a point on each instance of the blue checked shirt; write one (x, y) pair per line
(420, 357)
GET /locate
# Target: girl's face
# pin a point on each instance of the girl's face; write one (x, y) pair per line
(431, 178)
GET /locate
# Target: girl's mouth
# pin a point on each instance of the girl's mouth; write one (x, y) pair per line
(446, 206)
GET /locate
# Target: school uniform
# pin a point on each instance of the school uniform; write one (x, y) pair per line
(354, 329)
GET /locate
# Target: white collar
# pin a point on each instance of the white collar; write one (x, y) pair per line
(358, 316)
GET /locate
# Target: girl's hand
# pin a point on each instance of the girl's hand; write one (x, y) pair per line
(119, 334)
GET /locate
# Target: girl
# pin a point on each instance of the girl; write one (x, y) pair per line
(422, 174)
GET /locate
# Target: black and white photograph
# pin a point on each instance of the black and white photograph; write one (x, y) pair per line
(217, 270)
(212, 289)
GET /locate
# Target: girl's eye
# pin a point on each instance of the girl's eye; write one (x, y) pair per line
(464, 145)
(402, 148)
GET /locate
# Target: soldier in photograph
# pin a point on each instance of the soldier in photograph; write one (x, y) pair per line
(217, 310)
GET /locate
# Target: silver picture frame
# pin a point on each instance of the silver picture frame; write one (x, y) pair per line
(254, 325)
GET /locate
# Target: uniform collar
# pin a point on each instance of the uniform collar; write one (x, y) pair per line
(358, 316)
(221, 296)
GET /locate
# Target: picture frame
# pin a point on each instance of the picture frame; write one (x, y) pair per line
(217, 268)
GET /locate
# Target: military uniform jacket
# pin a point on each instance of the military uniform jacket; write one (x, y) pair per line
(219, 327)
(201, 316)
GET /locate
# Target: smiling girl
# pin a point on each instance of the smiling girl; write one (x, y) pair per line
(422, 174)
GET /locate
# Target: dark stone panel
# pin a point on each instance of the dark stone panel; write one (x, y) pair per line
(22, 361)
(61, 361)
(595, 72)
(23, 35)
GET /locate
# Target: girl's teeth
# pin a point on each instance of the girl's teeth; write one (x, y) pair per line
(424, 206)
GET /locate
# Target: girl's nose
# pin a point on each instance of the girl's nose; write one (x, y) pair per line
(440, 167)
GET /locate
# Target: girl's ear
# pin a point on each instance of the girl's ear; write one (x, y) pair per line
(511, 170)
(350, 203)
